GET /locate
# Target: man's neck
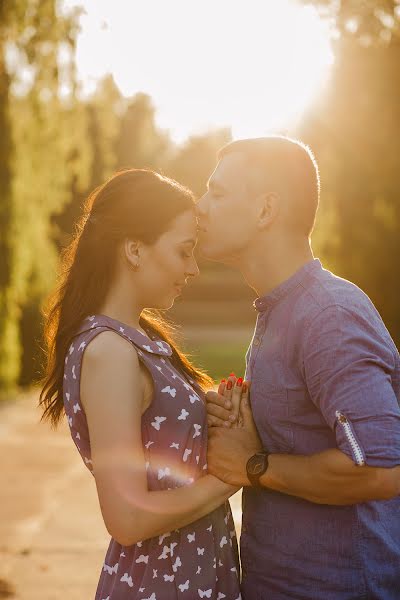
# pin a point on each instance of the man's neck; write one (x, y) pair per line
(264, 270)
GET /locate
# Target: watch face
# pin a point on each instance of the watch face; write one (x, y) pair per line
(257, 464)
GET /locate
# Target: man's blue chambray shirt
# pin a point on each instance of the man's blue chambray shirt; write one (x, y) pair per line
(325, 374)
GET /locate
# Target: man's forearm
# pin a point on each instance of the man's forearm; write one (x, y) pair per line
(329, 477)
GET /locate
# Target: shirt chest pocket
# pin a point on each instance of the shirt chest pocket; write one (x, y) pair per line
(271, 413)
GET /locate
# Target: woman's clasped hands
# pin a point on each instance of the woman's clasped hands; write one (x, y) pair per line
(224, 405)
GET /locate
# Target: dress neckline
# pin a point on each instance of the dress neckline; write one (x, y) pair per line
(144, 342)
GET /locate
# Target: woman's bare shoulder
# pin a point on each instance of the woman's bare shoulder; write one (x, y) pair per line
(109, 361)
(109, 345)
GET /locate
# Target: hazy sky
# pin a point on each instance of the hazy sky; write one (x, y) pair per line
(253, 65)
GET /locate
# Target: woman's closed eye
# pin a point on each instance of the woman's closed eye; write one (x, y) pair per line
(186, 249)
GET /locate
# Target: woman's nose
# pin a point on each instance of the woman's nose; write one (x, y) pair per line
(200, 206)
(193, 270)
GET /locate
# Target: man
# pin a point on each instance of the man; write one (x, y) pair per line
(321, 511)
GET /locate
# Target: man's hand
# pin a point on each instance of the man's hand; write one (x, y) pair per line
(230, 448)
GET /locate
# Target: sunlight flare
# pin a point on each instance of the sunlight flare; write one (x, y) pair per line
(254, 66)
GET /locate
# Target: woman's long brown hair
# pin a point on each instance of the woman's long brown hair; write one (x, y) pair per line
(134, 203)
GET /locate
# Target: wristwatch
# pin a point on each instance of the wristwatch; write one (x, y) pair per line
(257, 466)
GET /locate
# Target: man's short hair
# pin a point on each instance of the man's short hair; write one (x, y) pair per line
(287, 165)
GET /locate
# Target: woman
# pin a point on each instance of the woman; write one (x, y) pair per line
(133, 400)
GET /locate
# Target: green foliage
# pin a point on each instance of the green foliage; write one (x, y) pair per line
(356, 135)
(9, 350)
(194, 162)
(104, 110)
(219, 358)
(55, 148)
(35, 145)
(368, 21)
(140, 143)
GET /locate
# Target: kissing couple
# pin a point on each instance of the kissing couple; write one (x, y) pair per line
(311, 434)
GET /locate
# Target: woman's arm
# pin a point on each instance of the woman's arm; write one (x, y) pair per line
(112, 396)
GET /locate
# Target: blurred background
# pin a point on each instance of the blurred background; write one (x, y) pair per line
(87, 87)
(90, 86)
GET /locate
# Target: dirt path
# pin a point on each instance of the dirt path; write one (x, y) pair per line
(52, 537)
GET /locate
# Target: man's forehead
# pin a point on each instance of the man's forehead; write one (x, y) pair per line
(231, 167)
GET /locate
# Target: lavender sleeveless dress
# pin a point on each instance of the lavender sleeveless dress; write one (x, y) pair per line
(196, 561)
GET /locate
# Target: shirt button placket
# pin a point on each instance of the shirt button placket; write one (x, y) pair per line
(258, 335)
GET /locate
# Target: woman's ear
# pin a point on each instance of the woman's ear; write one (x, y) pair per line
(132, 251)
(269, 207)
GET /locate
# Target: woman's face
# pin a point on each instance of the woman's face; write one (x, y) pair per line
(166, 265)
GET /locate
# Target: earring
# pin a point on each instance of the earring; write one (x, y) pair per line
(134, 266)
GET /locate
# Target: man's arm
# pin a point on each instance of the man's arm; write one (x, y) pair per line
(347, 369)
(329, 477)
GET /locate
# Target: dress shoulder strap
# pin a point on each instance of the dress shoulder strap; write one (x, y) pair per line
(141, 341)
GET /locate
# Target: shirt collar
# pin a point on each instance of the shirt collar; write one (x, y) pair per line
(262, 303)
(134, 335)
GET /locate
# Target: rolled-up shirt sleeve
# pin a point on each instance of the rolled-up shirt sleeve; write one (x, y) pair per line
(348, 368)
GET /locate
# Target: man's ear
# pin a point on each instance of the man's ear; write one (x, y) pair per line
(268, 209)
(132, 252)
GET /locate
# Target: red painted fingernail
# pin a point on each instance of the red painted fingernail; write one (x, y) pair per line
(232, 375)
(229, 385)
(223, 380)
(239, 382)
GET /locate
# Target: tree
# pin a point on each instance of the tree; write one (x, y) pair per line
(36, 140)
(97, 119)
(193, 162)
(8, 340)
(367, 21)
(355, 131)
(140, 143)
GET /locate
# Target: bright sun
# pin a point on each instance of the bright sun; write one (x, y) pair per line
(252, 65)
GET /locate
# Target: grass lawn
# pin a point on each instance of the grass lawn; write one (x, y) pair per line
(219, 356)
